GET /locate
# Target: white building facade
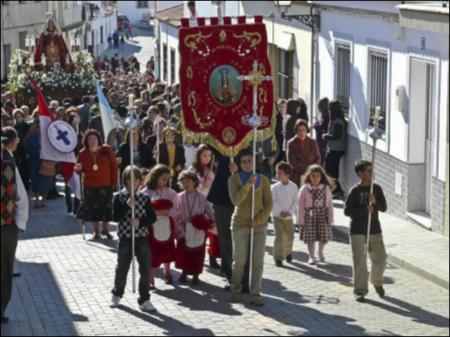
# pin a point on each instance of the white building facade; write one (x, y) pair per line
(366, 57)
(167, 25)
(101, 22)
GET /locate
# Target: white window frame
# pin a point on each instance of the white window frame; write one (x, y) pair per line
(437, 100)
(384, 141)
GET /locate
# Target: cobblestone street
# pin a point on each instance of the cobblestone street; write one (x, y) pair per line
(66, 282)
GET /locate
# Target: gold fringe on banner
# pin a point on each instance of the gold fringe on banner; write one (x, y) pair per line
(228, 151)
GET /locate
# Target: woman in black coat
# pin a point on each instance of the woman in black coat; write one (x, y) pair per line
(142, 154)
(172, 155)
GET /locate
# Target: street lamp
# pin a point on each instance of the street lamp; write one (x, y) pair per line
(311, 20)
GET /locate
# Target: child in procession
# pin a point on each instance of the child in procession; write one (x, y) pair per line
(203, 167)
(315, 211)
(157, 188)
(285, 201)
(145, 216)
(358, 205)
(240, 187)
(161, 239)
(196, 220)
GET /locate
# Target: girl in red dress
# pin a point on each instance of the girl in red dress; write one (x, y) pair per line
(161, 238)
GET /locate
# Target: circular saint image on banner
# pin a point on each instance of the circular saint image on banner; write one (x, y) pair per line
(224, 86)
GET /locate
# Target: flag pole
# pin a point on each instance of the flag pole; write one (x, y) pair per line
(375, 134)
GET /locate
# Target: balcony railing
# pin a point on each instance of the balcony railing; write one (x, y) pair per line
(27, 14)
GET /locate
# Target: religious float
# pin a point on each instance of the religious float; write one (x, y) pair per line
(57, 72)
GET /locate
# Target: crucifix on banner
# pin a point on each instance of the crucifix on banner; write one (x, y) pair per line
(255, 78)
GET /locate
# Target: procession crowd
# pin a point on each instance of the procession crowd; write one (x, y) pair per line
(188, 198)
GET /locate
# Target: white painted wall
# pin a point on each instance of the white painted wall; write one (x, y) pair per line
(133, 13)
(169, 36)
(206, 9)
(368, 31)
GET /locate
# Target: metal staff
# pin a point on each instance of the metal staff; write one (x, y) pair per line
(375, 133)
(83, 224)
(158, 126)
(131, 124)
(255, 78)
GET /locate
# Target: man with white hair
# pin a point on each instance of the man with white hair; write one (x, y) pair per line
(54, 104)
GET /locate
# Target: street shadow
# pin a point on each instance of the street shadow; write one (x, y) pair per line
(172, 326)
(329, 272)
(52, 222)
(38, 306)
(406, 309)
(303, 318)
(205, 297)
(108, 245)
(294, 297)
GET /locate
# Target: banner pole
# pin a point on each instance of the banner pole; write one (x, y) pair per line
(133, 234)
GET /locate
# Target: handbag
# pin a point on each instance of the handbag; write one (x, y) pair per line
(47, 168)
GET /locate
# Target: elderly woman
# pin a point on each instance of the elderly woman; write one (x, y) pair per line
(302, 151)
(97, 163)
(296, 109)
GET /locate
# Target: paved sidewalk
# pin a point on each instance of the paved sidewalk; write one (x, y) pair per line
(66, 282)
(409, 246)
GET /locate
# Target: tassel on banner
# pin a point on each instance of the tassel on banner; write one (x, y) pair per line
(214, 21)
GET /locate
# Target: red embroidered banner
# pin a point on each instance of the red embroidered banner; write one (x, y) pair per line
(216, 104)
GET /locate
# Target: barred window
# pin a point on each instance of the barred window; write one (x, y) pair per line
(378, 86)
(343, 76)
(142, 4)
(165, 62)
(285, 65)
(172, 65)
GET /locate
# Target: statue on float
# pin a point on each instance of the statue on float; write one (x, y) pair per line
(51, 48)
